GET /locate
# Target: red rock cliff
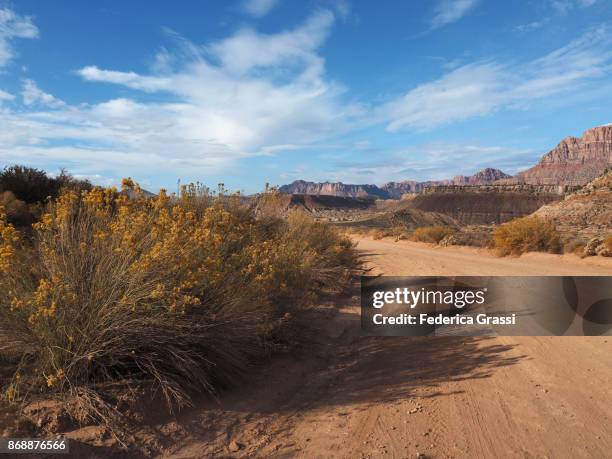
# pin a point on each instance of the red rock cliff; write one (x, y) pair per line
(575, 161)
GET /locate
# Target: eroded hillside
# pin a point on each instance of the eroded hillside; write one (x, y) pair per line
(587, 212)
(484, 205)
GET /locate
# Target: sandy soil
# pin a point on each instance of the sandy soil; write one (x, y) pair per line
(348, 396)
(413, 258)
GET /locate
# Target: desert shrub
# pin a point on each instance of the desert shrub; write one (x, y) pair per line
(28, 184)
(474, 236)
(331, 257)
(598, 245)
(17, 212)
(379, 234)
(575, 246)
(271, 205)
(431, 234)
(526, 234)
(179, 292)
(66, 181)
(35, 186)
(396, 232)
(608, 242)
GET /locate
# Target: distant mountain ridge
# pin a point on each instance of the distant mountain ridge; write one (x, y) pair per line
(483, 177)
(575, 161)
(390, 190)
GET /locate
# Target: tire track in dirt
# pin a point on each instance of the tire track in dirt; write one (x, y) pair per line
(369, 397)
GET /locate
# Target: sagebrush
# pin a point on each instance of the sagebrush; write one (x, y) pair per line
(526, 234)
(608, 242)
(431, 234)
(181, 292)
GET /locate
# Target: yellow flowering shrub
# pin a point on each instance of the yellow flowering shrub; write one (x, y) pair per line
(9, 239)
(182, 290)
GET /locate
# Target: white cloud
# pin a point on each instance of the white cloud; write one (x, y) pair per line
(448, 11)
(129, 79)
(564, 6)
(33, 95)
(13, 26)
(249, 101)
(213, 104)
(468, 91)
(4, 96)
(534, 25)
(202, 107)
(430, 161)
(481, 88)
(259, 8)
(248, 50)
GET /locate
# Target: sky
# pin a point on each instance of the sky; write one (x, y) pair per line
(249, 92)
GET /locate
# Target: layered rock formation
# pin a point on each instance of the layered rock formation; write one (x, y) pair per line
(487, 204)
(325, 207)
(404, 218)
(390, 190)
(395, 190)
(575, 161)
(483, 177)
(334, 189)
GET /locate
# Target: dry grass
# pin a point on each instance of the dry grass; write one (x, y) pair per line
(527, 234)
(181, 292)
(575, 246)
(608, 242)
(431, 234)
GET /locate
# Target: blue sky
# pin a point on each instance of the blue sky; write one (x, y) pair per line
(253, 91)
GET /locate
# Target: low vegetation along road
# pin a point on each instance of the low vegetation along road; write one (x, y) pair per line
(350, 396)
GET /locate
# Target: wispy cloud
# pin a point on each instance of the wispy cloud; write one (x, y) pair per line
(558, 7)
(130, 79)
(564, 6)
(4, 96)
(13, 26)
(481, 88)
(33, 95)
(259, 8)
(430, 161)
(204, 106)
(214, 103)
(533, 25)
(448, 11)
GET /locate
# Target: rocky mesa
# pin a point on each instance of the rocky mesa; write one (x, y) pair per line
(574, 161)
(390, 190)
(338, 189)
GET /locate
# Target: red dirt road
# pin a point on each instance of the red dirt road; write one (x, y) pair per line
(350, 396)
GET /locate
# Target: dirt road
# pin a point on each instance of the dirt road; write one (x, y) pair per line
(411, 258)
(349, 396)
